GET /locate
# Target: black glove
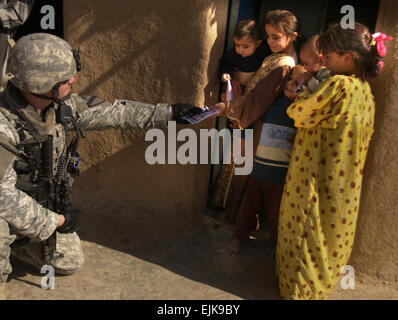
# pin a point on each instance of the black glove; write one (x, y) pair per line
(181, 109)
(72, 221)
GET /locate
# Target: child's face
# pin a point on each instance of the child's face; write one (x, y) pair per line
(339, 63)
(311, 61)
(297, 76)
(277, 40)
(246, 46)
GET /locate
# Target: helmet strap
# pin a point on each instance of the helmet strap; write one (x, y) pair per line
(42, 96)
(56, 92)
(55, 96)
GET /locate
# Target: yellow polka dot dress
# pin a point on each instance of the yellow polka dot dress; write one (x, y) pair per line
(321, 197)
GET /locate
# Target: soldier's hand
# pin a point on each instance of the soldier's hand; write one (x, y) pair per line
(72, 221)
(181, 109)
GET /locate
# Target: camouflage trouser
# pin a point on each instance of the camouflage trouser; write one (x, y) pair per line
(68, 257)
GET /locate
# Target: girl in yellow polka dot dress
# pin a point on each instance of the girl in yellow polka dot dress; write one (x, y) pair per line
(320, 203)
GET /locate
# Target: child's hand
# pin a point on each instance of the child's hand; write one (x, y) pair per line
(236, 91)
(220, 107)
(225, 77)
(236, 88)
(307, 76)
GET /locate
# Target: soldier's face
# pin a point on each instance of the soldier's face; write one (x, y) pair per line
(65, 88)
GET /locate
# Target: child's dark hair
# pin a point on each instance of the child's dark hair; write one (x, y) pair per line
(358, 42)
(248, 27)
(286, 22)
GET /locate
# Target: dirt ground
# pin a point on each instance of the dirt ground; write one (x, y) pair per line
(140, 258)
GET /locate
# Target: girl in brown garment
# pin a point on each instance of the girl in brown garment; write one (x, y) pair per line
(281, 27)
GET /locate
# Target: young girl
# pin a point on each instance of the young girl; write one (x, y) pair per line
(241, 62)
(320, 202)
(265, 185)
(281, 27)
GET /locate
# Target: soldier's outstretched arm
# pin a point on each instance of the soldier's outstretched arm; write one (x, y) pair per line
(15, 13)
(96, 113)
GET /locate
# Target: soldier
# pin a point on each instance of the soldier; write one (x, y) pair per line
(13, 14)
(36, 165)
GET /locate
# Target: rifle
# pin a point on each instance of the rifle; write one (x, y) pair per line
(37, 179)
(36, 174)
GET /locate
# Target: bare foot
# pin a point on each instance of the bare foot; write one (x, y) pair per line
(234, 247)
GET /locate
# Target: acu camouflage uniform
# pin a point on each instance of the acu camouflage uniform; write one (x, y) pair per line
(20, 214)
(13, 14)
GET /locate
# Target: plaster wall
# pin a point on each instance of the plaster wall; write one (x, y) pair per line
(150, 51)
(376, 245)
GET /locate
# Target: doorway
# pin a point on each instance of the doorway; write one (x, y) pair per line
(315, 15)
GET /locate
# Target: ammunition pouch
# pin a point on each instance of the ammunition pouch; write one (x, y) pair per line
(36, 175)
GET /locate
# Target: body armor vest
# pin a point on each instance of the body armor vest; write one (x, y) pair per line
(45, 166)
(38, 140)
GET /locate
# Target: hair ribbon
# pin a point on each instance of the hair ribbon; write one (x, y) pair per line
(378, 41)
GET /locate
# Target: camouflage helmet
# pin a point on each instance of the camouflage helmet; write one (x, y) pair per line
(39, 61)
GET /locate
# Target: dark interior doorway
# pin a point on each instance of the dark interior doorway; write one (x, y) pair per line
(365, 12)
(32, 25)
(315, 15)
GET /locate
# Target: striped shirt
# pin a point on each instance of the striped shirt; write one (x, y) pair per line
(276, 143)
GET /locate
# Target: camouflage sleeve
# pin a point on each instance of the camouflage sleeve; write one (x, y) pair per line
(20, 211)
(15, 13)
(124, 114)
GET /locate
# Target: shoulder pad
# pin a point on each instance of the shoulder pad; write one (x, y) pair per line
(93, 101)
(83, 103)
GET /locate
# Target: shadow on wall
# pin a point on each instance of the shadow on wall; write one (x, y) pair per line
(153, 51)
